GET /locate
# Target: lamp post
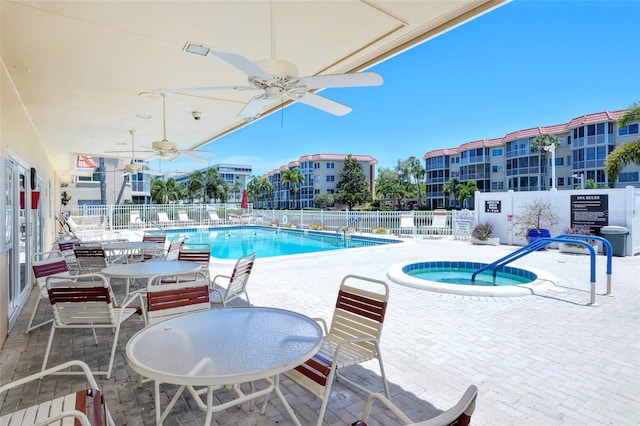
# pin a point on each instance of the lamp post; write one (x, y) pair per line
(580, 177)
(552, 149)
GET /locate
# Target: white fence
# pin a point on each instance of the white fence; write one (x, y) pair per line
(125, 216)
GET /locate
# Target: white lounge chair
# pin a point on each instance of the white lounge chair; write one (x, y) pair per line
(407, 224)
(183, 218)
(163, 220)
(214, 219)
(135, 220)
(438, 224)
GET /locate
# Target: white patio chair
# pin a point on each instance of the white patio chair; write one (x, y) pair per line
(354, 338)
(90, 258)
(236, 283)
(155, 252)
(407, 224)
(199, 253)
(82, 405)
(169, 300)
(44, 265)
(85, 301)
(458, 415)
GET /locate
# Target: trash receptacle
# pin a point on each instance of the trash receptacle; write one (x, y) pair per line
(617, 236)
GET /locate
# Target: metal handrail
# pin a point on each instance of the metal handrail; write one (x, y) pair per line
(564, 238)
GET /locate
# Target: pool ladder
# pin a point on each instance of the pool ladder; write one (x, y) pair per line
(345, 226)
(541, 243)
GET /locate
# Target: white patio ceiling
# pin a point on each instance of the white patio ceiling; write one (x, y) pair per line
(79, 66)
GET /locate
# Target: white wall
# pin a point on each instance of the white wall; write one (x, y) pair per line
(623, 203)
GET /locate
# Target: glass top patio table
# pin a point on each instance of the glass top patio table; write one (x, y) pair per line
(222, 347)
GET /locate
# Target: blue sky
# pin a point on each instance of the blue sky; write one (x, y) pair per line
(529, 63)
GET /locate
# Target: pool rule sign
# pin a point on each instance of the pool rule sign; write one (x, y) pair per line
(591, 210)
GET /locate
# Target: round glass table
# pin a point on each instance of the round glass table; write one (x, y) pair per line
(223, 347)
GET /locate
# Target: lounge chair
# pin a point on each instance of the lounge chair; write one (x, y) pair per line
(135, 220)
(81, 405)
(354, 338)
(214, 219)
(236, 283)
(438, 224)
(459, 414)
(233, 218)
(183, 218)
(163, 220)
(407, 224)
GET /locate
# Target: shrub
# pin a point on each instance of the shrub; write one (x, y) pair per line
(316, 227)
(537, 215)
(482, 231)
(579, 230)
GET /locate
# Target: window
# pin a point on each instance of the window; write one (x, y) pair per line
(316, 165)
(331, 178)
(497, 186)
(331, 165)
(561, 181)
(331, 191)
(498, 152)
(496, 169)
(630, 129)
(628, 177)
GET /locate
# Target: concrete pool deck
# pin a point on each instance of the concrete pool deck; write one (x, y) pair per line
(545, 359)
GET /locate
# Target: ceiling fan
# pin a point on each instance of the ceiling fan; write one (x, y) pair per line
(133, 166)
(278, 80)
(166, 150)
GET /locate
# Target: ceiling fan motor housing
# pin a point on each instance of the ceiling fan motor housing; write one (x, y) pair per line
(164, 146)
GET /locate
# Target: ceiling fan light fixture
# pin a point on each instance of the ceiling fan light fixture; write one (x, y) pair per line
(132, 168)
(197, 49)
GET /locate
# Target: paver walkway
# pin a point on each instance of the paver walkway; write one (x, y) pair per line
(544, 359)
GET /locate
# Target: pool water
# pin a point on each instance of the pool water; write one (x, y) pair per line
(463, 276)
(454, 276)
(234, 242)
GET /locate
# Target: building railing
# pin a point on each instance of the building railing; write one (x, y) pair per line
(126, 216)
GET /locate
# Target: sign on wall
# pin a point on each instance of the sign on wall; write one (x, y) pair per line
(492, 206)
(591, 210)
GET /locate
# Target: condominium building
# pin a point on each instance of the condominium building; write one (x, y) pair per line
(120, 184)
(321, 175)
(508, 163)
(231, 173)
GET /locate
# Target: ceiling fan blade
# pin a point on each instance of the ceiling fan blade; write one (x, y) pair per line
(202, 89)
(243, 64)
(325, 104)
(152, 172)
(253, 107)
(343, 80)
(193, 157)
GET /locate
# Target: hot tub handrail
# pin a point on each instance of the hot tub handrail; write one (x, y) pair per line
(543, 242)
(608, 251)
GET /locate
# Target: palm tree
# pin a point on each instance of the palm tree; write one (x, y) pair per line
(293, 177)
(627, 153)
(466, 191)
(417, 173)
(451, 188)
(196, 184)
(266, 188)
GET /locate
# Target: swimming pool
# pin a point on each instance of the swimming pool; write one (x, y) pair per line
(444, 276)
(236, 241)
